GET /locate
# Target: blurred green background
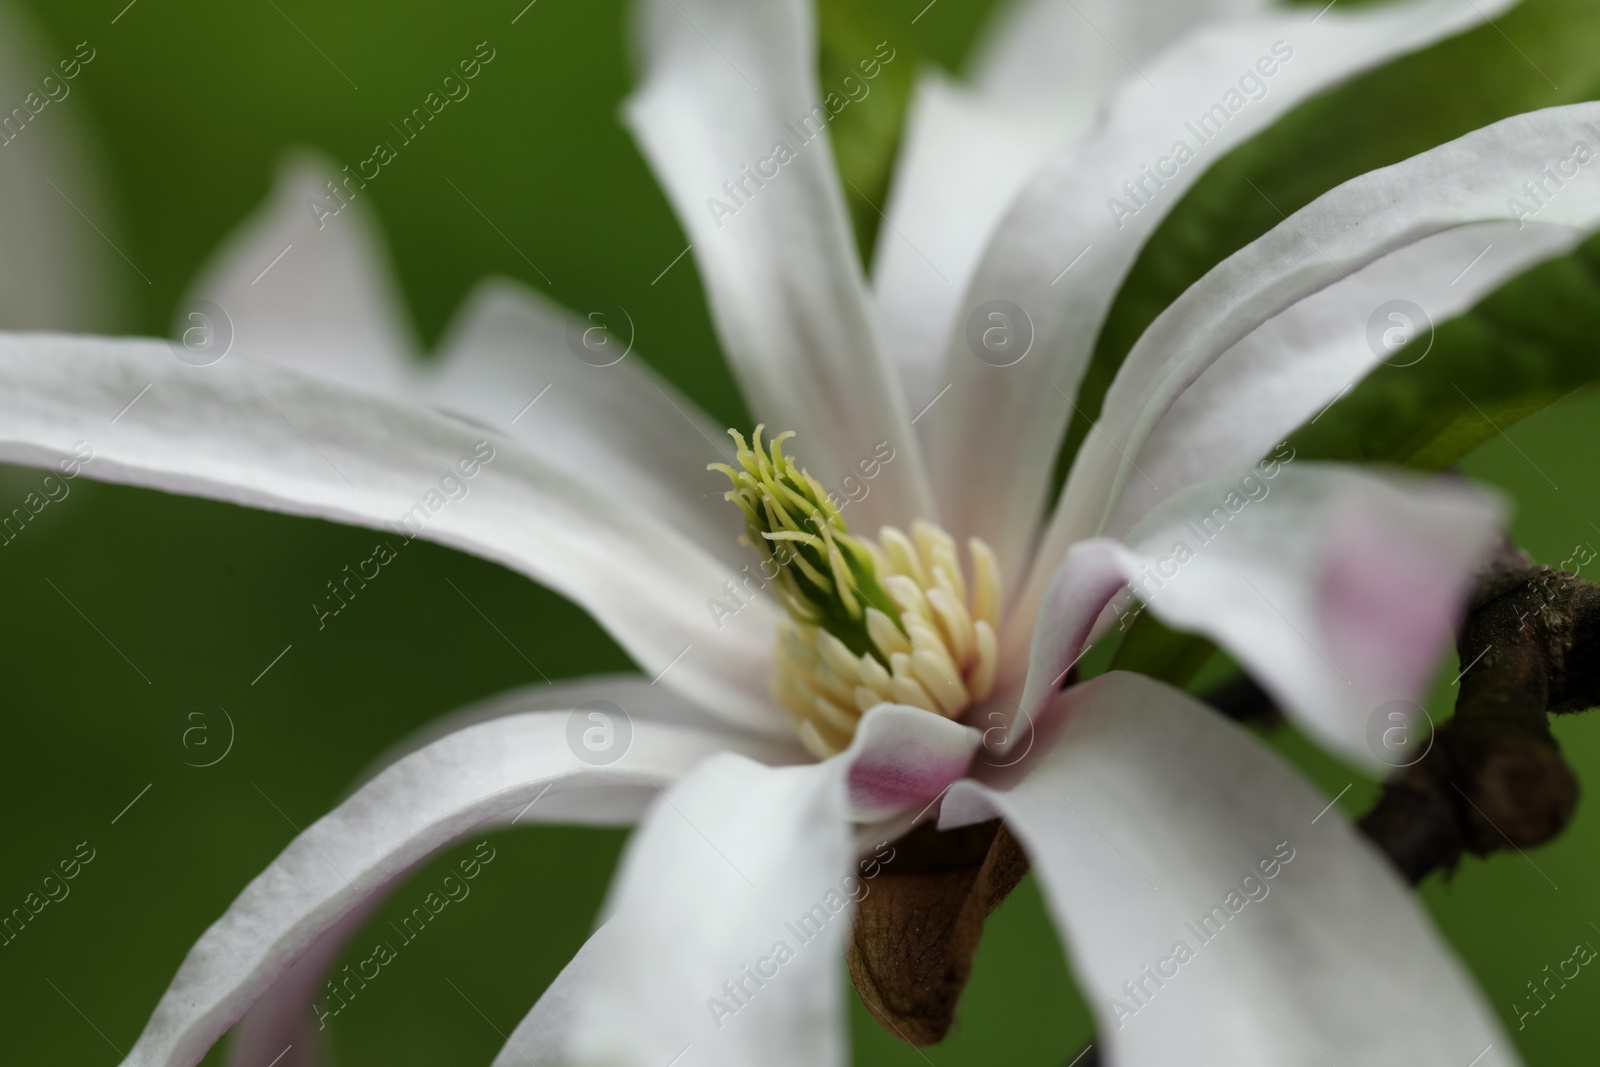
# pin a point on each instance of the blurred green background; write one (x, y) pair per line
(193, 105)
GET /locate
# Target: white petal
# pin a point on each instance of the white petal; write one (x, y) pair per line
(280, 1018)
(1068, 620)
(263, 437)
(1295, 365)
(432, 798)
(724, 81)
(280, 1023)
(1338, 590)
(716, 871)
(1466, 181)
(1042, 77)
(994, 472)
(56, 271)
(904, 758)
(635, 694)
(306, 284)
(1068, 55)
(508, 362)
(735, 861)
(1144, 816)
(962, 159)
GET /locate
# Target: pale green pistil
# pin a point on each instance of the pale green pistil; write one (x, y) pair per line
(826, 577)
(869, 623)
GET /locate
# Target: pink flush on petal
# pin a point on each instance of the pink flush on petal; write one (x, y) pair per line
(902, 758)
(1389, 605)
(887, 783)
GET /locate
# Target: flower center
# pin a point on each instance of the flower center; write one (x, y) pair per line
(869, 622)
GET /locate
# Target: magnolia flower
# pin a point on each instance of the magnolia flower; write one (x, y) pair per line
(859, 666)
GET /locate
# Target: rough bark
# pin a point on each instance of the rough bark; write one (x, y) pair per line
(1495, 778)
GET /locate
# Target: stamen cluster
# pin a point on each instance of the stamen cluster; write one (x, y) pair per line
(891, 621)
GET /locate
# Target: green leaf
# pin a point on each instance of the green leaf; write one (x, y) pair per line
(1539, 55)
(871, 107)
(1519, 351)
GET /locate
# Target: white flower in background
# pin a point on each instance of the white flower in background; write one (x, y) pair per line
(1140, 809)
